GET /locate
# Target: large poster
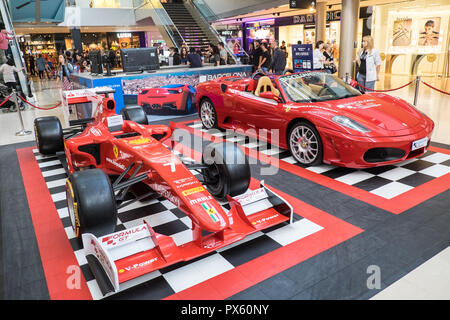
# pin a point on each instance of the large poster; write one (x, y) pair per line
(302, 57)
(429, 29)
(401, 32)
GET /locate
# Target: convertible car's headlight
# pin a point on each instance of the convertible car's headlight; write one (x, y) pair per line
(349, 123)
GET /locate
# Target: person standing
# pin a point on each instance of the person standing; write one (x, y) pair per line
(278, 59)
(193, 59)
(257, 53)
(284, 48)
(41, 66)
(223, 53)
(64, 71)
(329, 60)
(215, 56)
(8, 70)
(264, 58)
(32, 65)
(183, 55)
(318, 57)
(369, 63)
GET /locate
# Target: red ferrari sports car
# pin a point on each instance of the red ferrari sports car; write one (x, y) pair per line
(176, 98)
(113, 162)
(318, 117)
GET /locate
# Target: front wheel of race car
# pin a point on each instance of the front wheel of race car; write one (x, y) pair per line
(135, 114)
(305, 144)
(227, 172)
(91, 203)
(208, 114)
(49, 135)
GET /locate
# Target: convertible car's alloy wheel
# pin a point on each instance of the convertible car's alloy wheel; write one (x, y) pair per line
(208, 114)
(305, 144)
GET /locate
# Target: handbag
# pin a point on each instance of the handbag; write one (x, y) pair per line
(67, 84)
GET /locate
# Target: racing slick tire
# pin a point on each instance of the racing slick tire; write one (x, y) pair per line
(228, 171)
(49, 135)
(305, 144)
(91, 203)
(135, 114)
(208, 114)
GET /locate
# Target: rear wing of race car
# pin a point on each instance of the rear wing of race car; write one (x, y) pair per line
(131, 253)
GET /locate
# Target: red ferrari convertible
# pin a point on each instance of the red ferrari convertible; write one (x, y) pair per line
(318, 117)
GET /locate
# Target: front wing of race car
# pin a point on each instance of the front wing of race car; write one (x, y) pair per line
(131, 253)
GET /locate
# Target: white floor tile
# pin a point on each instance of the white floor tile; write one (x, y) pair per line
(49, 163)
(56, 183)
(59, 196)
(437, 157)
(291, 160)
(182, 237)
(63, 213)
(391, 190)
(320, 169)
(294, 231)
(396, 173)
(53, 172)
(436, 171)
(196, 272)
(355, 177)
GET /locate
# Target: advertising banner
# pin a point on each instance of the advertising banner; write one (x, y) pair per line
(302, 57)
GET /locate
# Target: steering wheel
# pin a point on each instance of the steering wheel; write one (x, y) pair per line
(319, 94)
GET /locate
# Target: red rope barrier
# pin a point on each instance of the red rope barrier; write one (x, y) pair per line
(9, 97)
(387, 90)
(24, 100)
(429, 85)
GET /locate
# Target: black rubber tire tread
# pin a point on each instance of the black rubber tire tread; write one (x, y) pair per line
(135, 114)
(49, 135)
(233, 168)
(96, 209)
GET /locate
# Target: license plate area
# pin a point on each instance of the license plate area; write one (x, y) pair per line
(421, 143)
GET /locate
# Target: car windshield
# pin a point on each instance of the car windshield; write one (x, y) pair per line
(315, 87)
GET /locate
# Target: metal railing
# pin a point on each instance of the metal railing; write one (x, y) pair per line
(164, 18)
(204, 13)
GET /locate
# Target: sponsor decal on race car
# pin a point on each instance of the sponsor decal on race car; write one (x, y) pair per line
(265, 219)
(200, 200)
(251, 196)
(192, 191)
(163, 191)
(139, 141)
(101, 256)
(121, 236)
(116, 151)
(121, 166)
(210, 211)
(96, 132)
(137, 265)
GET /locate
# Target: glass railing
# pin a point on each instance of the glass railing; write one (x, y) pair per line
(124, 4)
(207, 15)
(162, 16)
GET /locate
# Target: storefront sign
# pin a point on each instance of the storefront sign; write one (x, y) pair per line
(124, 35)
(302, 57)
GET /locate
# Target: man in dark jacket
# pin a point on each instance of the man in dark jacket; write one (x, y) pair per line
(278, 59)
(257, 53)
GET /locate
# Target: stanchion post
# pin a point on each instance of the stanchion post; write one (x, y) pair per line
(22, 132)
(346, 78)
(416, 92)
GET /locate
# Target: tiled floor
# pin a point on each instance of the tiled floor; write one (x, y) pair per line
(431, 280)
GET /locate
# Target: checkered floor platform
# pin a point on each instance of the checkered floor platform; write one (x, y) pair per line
(387, 181)
(166, 219)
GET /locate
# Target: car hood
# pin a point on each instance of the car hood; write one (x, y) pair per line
(381, 113)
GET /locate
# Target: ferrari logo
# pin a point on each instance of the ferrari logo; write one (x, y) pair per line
(116, 151)
(288, 109)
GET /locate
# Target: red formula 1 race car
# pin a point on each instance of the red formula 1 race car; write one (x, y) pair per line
(171, 98)
(318, 117)
(114, 162)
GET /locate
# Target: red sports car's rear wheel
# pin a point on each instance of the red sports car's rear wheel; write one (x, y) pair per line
(208, 114)
(305, 144)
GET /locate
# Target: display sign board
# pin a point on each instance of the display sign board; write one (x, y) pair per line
(301, 4)
(302, 57)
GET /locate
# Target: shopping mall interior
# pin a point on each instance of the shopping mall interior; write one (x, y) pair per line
(353, 224)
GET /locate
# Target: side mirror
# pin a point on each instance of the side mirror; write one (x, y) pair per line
(270, 95)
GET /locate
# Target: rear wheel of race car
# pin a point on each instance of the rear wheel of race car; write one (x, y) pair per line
(228, 171)
(305, 144)
(91, 203)
(49, 135)
(135, 114)
(208, 114)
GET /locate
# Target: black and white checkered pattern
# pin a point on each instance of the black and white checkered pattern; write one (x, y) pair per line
(166, 219)
(386, 181)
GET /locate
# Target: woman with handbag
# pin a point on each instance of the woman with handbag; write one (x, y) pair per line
(329, 65)
(64, 71)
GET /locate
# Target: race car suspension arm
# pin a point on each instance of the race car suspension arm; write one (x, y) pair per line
(124, 186)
